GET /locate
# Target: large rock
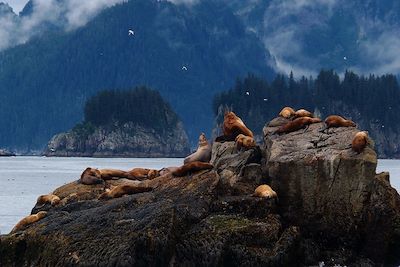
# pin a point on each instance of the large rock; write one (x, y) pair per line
(330, 191)
(183, 221)
(332, 208)
(127, 140)
(240, 171)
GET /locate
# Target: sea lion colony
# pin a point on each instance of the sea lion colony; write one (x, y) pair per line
(233, 128)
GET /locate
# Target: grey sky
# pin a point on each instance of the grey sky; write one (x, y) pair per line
(17, 5)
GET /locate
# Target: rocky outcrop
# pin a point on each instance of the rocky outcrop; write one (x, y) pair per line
(332, 208)
(6, 153)
(330, 191)
(127, 140)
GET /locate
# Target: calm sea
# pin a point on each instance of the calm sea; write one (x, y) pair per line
(23, 179)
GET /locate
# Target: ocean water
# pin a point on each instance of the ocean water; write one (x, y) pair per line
(23, 179)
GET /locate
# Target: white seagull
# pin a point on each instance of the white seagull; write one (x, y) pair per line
(131, 32)
(184, 68)
(247, 93)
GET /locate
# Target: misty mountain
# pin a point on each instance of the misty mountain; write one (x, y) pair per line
(306, 36)
(5, 10)
(187, 52)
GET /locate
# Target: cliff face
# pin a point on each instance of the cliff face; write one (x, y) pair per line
(127, 140)
(331, 208)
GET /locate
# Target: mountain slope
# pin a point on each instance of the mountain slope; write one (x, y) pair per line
(305, 36)
(44, 83)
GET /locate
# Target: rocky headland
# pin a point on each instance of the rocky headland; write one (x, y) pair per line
(126, 140)
(6, 153)
(332, 209)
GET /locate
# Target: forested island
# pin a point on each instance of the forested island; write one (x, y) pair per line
(371, 100)
(128, 123)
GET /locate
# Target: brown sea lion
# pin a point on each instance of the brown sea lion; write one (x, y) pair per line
(203, 152)
(192, 167)
(287, 112)
(265, 191)
(297, 124)
(91, 176)
(167, 170)
(126, 189)
(245, 142)
(95, 176)
(142, 174)
(107, 174)
(303, 113)
(338, 121)
(360, 141)
(29, 220)
(52, 199)
(232, 127)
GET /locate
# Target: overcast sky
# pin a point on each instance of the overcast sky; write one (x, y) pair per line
(17, 5)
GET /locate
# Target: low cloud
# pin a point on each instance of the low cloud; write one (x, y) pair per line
(68, 15)
(285, 24)
(373, 48)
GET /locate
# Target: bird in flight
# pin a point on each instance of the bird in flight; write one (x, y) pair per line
(184, 68)
(131, 32)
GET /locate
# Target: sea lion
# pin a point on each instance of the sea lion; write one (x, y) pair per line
(29, 220)
(203, 152)
(287, 112)
(232, 127)
(167, 170)
(265, 191)
(338, 121)
(359, 142)
(297, 124)
(142, 174)
(192, 167)
(95, 176)
(152, 174)
(125, 189)
(52, 199)
(245, 142)
(107, 174)
(303, 113)
(91, 176)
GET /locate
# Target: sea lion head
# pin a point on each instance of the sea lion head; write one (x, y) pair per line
(91, 172)
(202, 140)
(287, 112)
(230, 116)
(249, 142)
(41, 214)
(153, 174)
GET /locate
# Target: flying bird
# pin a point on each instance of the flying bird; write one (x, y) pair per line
(345, 58)
(184, 68)
(131, 32)
(247, 93)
